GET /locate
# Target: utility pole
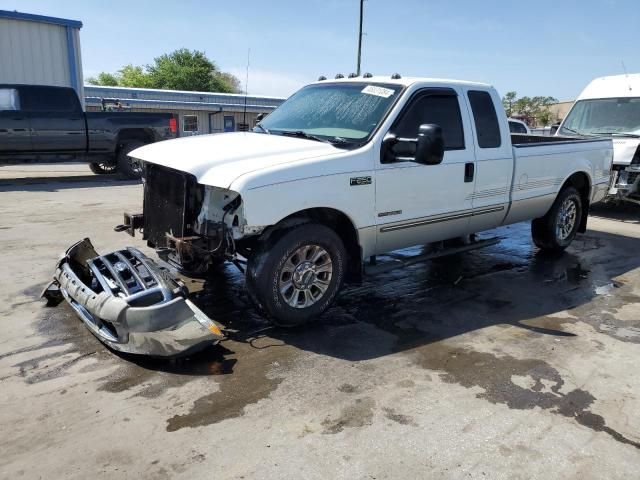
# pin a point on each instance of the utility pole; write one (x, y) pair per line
(360, 37)
(246, 92)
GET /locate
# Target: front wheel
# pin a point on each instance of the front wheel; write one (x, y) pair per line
(295, 277)
(556, 230)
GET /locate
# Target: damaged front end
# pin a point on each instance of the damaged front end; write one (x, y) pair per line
(131, 303)
(191, 226)
(625, 181)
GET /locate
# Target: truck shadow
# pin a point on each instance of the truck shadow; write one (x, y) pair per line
(509, 284)
(624, 212)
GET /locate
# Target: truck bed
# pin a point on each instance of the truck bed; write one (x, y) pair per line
(522, 140)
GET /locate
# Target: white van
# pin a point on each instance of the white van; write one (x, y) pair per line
(610, 106)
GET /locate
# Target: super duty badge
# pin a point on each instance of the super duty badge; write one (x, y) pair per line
(355, 181)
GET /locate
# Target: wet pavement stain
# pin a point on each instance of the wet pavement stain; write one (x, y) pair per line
(392, 415)
(395, 312)
(494, 374)
(358, 414)
(252, 380)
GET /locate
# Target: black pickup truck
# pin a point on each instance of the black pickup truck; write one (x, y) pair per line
(47, 124)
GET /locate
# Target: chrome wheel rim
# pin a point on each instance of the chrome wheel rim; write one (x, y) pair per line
(305, 276)
(136, 165)
(108, 167)
(567, 216)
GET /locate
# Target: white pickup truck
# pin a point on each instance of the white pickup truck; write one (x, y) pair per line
(348, 169)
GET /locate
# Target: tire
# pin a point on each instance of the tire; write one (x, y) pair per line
(556, 230)
(103, 168)
(295, 277)
(127, 166)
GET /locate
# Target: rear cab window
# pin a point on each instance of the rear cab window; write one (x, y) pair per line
(485, 119)
(50, 99)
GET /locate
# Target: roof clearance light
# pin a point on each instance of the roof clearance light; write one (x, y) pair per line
(396, 76)
(367, 75)
(352, 75)
(321, 78)
(339, 76)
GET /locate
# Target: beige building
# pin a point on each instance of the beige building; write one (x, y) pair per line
(197, 112)
(559, 110)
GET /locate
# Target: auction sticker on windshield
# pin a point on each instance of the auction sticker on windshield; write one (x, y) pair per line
(378, 91)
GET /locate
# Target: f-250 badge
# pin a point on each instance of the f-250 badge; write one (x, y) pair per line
(355, 181)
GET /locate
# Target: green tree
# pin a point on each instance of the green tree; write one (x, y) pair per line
(229, 81)
(104, 78)
(508, 101)
(535, 110)
(134, 77)
(182, 69)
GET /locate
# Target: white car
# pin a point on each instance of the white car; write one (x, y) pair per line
(610, 106)
(348, 169)
(518, 127)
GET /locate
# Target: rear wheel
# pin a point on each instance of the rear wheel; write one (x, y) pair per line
(557, 229)
(104, 168)
(297, 276)
(128, 166)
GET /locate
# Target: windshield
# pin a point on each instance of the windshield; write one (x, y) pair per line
(335, 112)
(603, 116)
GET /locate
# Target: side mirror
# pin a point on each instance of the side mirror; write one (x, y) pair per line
(429, 145)
(554, 128)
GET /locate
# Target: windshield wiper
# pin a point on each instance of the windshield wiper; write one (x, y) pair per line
(262, 127)
(301, 134)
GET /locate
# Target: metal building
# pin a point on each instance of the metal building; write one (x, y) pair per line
(35, 49)
(198, 112)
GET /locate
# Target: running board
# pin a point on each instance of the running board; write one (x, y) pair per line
(399, 262)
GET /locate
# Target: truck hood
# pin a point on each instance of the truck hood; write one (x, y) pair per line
(624, 149)
(221, 158)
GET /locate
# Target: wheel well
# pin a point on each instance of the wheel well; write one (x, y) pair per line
(339, 223)
(580, 181)
(142, 134)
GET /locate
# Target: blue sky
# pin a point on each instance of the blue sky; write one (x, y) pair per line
(541, 47)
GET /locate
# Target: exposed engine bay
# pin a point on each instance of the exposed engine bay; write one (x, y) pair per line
(191, 226)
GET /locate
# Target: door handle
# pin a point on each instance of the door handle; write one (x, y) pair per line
(469, 170)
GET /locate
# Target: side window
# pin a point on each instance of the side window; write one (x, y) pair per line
(44, 99)
(9, 99)
(440, 109)
(485, 119)
(190, 123)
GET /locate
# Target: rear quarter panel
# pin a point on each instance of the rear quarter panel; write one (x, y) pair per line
(104, 127)
(542, 169)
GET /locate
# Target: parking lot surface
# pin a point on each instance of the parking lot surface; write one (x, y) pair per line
(497, 363)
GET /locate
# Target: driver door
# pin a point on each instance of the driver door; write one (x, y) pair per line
(418, 204)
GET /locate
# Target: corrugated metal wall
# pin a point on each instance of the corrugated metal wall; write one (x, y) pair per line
(36, 53)
(204, 127)
(210, 108)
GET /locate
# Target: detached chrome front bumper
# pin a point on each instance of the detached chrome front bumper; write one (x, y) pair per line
(130, 303)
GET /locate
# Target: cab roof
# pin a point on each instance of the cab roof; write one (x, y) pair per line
(403, 81)
(614, 86)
